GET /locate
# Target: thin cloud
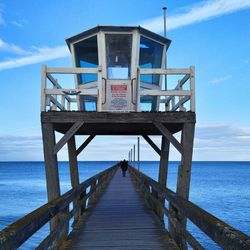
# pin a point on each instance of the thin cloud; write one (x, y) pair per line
(219, 80)
(40, 55)
(12, 48)
(18, 24)
(197, 13)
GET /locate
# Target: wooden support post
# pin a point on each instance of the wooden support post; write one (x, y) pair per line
(183, 182)
(163, 171)
(52, 179)
(74, 175)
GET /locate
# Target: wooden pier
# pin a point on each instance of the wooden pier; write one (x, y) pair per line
(120, 219)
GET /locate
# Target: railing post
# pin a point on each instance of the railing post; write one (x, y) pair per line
(192, 88)
(43, 88)
(138, 99)
(99, 92)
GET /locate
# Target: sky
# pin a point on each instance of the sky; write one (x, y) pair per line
(213, 35)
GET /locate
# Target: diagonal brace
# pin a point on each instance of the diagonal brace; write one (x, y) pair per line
(85, 144)
(152, 144)
(67, 136)
(169, 136)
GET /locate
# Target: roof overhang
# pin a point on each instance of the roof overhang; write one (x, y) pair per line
(96, 29)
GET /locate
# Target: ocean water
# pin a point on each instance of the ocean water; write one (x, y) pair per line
(221, 188)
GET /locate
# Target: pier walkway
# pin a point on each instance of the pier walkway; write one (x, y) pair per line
(119, 220)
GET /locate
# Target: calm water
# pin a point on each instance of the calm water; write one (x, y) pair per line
(222, 188)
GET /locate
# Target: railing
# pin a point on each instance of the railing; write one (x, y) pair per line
(176, 98)
(224, 235)
(17, 233)
(57, 98)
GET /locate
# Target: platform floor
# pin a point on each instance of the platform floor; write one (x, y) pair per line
(119, 219)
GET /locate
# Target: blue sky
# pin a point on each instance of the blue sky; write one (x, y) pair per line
(213, 35)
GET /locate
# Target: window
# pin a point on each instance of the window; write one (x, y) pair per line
(118, 55)
(87, 57)
(150, 57)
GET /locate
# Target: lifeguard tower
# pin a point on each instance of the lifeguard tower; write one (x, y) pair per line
(120, 78)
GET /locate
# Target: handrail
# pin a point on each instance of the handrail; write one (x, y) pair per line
(170, 94)
(96, 89)
(17, 233)
(223, 234)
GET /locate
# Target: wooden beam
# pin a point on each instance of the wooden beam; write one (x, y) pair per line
(152, 144)
(163, 170)
(74, 175)
(169, 136)
(85, 144)
(51, 167)
(67, 136)
(183, 181)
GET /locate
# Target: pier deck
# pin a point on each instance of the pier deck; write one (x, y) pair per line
(119, 220)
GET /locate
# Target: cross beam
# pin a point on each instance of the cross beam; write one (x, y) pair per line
(152, 144)
(169, 136)
(67, 136)
(85, 144)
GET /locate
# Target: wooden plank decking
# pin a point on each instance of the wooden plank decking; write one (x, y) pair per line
(119, 220)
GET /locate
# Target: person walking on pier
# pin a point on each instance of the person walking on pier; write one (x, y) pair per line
(124, 167)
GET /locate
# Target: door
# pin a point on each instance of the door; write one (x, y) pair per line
(118, 93)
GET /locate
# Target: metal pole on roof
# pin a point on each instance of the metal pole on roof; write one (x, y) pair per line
(165, 35)
(138, 152)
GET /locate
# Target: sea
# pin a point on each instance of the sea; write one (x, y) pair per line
(221, 188)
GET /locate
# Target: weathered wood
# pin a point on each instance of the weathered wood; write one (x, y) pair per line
(67, 136)
(152, 144)
(74, 175)
(119, 220)
(72, 70)
(99, 123)
(164, 71)
(85, 144)
(17, 233)
(223, 234)
(163, 171)
(51, 166)
(169, 136)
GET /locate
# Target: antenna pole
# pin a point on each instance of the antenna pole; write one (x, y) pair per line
(165, 35)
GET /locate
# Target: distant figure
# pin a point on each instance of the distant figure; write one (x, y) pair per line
(124, 167)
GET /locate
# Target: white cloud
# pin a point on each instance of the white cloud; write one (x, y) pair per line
(12, 48)
(219, 80)
(18, 24)
(197, 13)
(212, 142)
(38, 56)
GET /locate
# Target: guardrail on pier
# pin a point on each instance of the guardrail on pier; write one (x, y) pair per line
(223, 234)
(17, 233)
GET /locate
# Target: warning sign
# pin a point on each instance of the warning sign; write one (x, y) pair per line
(119, 97)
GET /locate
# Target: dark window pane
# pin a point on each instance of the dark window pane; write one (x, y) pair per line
(118, 55)
(150, 57)
(87, 57)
